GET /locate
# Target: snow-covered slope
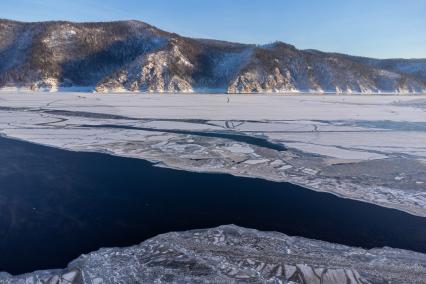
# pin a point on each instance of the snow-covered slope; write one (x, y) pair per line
(134, 56)
(414, 67)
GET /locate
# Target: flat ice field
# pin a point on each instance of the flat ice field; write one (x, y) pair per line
(369, 148)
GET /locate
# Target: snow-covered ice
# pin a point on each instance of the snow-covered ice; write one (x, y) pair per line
(352, 146)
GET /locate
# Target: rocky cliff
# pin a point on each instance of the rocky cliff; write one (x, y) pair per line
(134, 56)
(230, 254)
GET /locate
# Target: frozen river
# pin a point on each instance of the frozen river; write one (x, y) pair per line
(368, 148)
(57, 204)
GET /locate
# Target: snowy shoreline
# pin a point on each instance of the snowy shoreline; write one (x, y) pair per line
(198, 92)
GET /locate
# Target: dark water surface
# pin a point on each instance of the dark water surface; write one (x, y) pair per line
(56, 205)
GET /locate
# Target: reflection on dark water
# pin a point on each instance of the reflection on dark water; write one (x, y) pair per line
(56, 205)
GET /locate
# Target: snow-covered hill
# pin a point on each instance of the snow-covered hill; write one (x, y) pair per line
(134, 56)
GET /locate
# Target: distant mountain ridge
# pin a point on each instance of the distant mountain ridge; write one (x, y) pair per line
(135, 56)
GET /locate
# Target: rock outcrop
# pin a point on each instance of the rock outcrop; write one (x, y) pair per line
(231, 254)
(134, 56)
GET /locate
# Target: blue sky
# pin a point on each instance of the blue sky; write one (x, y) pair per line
(376, 28)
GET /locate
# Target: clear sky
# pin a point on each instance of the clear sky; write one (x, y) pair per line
(376, 28)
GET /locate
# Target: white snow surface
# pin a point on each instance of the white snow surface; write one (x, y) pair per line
(353, 146)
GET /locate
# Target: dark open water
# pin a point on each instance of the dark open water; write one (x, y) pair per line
(56, 205)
